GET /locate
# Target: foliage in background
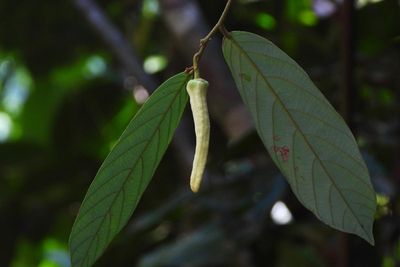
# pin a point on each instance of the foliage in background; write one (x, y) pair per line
(48, 161)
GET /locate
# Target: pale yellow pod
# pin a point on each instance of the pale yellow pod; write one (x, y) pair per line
(197, 90)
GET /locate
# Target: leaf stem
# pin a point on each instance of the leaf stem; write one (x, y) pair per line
(204, 41)
(224, 31)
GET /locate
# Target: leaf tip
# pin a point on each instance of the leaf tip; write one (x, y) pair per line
(369, 237)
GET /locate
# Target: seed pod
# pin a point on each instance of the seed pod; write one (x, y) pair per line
(197, 90)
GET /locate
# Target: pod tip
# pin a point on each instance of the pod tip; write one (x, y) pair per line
(195, 188)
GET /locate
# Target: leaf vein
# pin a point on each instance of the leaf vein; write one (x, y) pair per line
(131, 170)
(255, 66)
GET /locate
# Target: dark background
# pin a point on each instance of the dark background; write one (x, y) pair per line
(72, 76)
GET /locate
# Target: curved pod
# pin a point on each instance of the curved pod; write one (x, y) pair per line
(197, 90)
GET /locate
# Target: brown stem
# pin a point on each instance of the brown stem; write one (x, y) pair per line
(224, 31)
(204, 41)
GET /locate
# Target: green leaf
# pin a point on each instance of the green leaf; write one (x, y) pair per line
(126, 172)
(305, 136)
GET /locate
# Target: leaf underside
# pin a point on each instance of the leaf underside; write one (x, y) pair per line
(306, 138)
(126, 172)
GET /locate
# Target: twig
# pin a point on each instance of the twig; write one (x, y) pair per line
(186, 24)
(204, 41)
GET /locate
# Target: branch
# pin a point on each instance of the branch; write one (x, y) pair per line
(204, 41)
(128, 59)
(110, 34)
(187, 25)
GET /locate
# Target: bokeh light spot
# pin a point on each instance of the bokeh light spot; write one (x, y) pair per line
(280, 214)
(140, 93)
(154, 63)
(265, 21)
(96, 66)
(308, 18)
(5, 126)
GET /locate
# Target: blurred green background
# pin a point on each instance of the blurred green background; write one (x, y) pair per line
(69, 86)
